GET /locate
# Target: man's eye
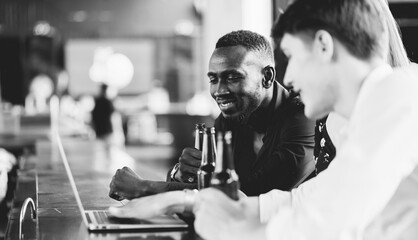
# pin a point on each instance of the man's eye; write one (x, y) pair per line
(233, 77)
(212, 80)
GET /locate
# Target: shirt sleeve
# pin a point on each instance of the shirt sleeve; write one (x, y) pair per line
(379, 153)
(269, 203)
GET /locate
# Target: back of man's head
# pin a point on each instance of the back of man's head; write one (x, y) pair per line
(358, 24)
(250, 40)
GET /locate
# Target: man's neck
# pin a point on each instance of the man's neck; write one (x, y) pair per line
(260, 119)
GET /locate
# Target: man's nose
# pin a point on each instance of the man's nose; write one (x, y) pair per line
(221, 88)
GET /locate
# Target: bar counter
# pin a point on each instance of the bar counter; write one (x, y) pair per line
(43, 178)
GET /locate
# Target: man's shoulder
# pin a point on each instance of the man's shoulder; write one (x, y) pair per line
(292, 105)
(291, 113)
(408, 73)
(403, 80)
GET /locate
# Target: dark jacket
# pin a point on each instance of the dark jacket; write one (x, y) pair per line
(286, 157)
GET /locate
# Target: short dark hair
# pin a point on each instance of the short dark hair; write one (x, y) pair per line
(358, 24)
(250, 40)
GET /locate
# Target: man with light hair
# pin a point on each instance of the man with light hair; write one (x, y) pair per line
(337, 52)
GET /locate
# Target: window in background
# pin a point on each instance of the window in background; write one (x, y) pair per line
(80, 57)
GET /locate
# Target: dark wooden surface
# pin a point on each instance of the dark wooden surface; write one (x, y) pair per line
(58, 216)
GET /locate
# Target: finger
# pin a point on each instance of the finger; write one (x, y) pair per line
(119, 212)
(127, 171)
(112, 182)
(195, 153)
(188, 169)
(125, 168)
(138, 208)
(116, 196)
(190, 162)
(192, 152)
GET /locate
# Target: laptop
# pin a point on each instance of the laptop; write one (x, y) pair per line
(98, 220)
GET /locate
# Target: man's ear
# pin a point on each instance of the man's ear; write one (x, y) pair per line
(269, 75)
(324, 45)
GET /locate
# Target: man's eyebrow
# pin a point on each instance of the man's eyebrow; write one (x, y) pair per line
(232, 71)
(223, 73)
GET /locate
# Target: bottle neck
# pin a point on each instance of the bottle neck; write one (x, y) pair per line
(224, 159)
(208, 151)
(198, 137)
(220, 153)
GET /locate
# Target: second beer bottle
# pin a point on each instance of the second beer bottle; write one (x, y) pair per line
(204, 174)
(225, 178)
(198, 135)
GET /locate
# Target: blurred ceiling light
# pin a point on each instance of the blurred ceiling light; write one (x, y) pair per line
(113, 69)
(78, 16)
(120, 70)
(43, 28)
(184, 27)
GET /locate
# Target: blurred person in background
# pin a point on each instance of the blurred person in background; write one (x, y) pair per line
(106, 121)
(40, 90)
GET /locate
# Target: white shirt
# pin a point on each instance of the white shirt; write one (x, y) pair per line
(377, 155)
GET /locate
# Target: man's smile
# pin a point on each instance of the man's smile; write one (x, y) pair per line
(226, 104)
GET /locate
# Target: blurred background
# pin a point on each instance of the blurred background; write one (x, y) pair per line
(151, 56)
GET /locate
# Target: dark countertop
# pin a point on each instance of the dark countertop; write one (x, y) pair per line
(58, 215)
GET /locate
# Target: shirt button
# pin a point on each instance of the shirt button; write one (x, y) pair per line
(322, 142)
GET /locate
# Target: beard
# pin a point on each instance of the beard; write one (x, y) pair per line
(250, 103)
(244, 116)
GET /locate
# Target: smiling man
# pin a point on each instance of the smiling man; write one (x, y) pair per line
(272, 139)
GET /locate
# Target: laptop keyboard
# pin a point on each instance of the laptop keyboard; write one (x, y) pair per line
(101, 216)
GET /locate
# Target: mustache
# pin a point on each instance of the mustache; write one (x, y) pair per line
(225, 97)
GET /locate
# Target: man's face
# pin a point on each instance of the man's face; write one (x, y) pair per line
(235, 76)
(309, 74)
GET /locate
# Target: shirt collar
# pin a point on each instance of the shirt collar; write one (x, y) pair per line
(374, 77)
(377, 74)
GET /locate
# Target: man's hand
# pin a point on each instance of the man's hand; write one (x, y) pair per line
(151, 206)
(189, 163)
(219, 217)
(126, 184)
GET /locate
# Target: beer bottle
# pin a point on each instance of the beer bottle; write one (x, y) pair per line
(204, 174)
(198, 143)
(198, 137)
(225, 178)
